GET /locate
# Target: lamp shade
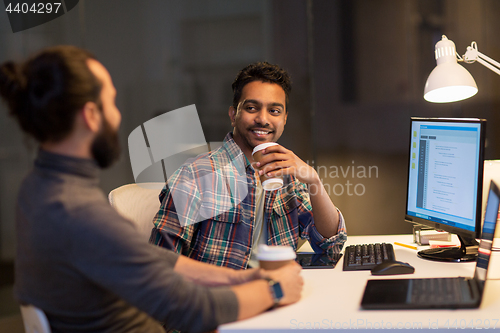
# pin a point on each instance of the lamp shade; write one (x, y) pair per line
(448, 81)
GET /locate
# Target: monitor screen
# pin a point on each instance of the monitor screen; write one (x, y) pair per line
(445, 174)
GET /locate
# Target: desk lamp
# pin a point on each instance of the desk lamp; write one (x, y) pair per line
(449, 81)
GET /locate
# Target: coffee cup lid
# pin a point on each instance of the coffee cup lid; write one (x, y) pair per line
(275, 253)
(272, 184)
(263, 146)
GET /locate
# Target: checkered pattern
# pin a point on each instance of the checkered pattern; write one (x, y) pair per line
(214, 224)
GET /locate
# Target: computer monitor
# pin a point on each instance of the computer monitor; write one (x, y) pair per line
(445, 180)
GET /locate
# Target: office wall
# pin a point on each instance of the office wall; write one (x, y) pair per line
(162, 55)
(358, 69)
(372, 59)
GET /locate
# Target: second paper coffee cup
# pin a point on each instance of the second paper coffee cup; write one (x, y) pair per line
(274, 257)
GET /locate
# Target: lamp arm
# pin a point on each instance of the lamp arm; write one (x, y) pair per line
(472, 55)
(487, 64)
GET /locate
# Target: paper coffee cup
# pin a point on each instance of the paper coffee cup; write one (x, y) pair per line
(268, 184)
(274, 257)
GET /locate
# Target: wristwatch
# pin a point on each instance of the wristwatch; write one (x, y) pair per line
(276, 292)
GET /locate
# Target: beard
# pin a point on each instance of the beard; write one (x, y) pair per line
(106, 146)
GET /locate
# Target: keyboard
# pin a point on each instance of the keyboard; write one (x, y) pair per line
(366, 256)
(437, 290)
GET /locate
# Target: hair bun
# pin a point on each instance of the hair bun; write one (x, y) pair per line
(11, 81)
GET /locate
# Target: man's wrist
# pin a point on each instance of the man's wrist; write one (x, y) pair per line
(314, 178)
(315, 186)
(275, 291)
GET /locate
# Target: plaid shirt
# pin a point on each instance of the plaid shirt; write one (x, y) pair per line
(213, 222)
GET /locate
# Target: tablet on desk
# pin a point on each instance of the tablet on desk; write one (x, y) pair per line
(318, 260)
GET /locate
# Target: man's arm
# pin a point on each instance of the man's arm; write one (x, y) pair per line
(211, 275)
(278, 160)
(249, 286)
(326, 216)
(171, 230)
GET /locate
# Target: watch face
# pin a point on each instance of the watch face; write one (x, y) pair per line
(278, 293)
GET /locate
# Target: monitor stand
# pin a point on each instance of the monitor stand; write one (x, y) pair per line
(466, 252)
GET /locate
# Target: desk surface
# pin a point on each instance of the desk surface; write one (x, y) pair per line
(331, 299)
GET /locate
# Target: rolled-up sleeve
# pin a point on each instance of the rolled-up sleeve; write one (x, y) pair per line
(333, 244)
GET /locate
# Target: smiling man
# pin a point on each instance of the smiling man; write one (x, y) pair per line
(218, 224)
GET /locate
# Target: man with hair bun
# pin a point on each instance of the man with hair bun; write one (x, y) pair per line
(77, 259)
(239, 221)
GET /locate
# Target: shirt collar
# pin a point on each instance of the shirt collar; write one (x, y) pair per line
(234, 150)
(82, 167)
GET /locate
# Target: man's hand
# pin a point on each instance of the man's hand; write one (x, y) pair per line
(277, 161)
(255, 296)
(290, 280)
(288, 276)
